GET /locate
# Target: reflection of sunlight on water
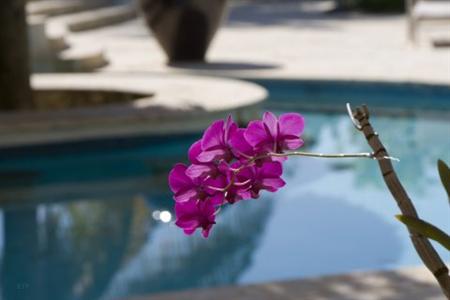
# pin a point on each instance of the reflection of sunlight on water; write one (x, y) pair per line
(163, 216)
(155, 215)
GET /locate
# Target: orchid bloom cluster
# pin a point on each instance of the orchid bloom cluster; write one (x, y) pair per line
(230, 164)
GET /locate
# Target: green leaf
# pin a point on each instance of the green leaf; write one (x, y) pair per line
(444, 173)
(426, 229)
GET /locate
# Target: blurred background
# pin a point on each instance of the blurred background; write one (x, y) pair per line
(100, 98)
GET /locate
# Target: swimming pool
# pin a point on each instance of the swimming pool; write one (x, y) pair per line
(90, 220)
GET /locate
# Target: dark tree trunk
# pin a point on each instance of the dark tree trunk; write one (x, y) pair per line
(15, 91)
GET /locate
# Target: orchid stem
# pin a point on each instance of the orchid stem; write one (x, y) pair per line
(370, 155)
(333, 155)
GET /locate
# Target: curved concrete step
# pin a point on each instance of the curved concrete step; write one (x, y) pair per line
(101, 17)
(58, 43)
(51, 53)
(54, 7)
(61, 7)
(85, 59)
(57, 56)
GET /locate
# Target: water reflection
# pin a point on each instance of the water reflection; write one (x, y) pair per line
(417, 142)
(322, 235)
(170, 260)
(103, 229)
(63, 252)
(113, 247)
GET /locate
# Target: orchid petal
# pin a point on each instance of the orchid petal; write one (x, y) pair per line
(187, 224)
(213, 184)
(239, 144)
(229, 128)
(213, 136)
(217, 199)
(271, 123)
(245, 194)
(198, 170)
(188, 231)
(185, 195)
(291, 124)
(271, 170)
(194, 151)
(205, 231)
(273, 184)
(292, 144)
(178, 180)
(209, 156)
(255, 134)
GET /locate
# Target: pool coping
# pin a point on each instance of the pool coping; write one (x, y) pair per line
(174, 104)
(411, 283)
(257, 75)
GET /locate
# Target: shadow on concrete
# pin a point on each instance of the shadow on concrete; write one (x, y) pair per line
(300, 14)
(289, 13)
(223, 66)
(380, 286)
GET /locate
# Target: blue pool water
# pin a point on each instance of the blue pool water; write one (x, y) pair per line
(83, 220)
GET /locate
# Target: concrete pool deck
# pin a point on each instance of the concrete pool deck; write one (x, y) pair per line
(157, 105)
(404, 284)
(288, 40)
(293, 40)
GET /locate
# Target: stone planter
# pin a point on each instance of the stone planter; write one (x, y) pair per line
(184, 28)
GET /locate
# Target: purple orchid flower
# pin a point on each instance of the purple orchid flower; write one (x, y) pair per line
(275, 135)
(231, 164)
(250, 180)
(240, 147)
(215, 141)
(238, 183)
(198, 168)
(195, 214)
(187, 188)
(265, 177)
